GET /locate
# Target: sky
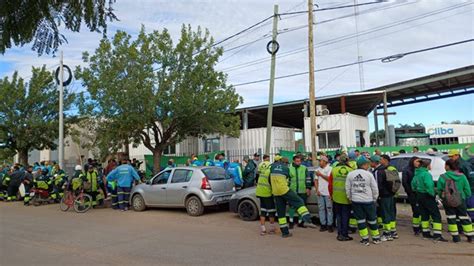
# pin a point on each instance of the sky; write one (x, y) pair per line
(384, 29)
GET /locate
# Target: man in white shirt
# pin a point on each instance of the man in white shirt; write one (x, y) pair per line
(322, 190)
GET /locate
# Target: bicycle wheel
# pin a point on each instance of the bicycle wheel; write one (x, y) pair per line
(66, 202)
(82, 203)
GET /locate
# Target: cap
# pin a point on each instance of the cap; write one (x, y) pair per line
(375, 158)
(256, 154)
(362, 160)
(343, 158)
(246, 157)
(453, 152)
(324, 158)
(277, 158)
(352, 154)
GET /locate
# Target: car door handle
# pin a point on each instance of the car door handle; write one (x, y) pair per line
(184, 186)
(163, 188)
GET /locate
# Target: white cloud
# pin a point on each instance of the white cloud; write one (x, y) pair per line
(224, 18)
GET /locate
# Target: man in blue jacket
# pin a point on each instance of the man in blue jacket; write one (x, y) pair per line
(125, 174)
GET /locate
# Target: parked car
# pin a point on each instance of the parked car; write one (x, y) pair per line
(437, 165)
(247, 205)
(193, 188)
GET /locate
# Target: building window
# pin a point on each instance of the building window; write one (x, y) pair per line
(212, 145)
(329, 140)
(171, 149)
(444, 141)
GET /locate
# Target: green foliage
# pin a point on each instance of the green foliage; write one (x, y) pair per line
(39, 21)
(153, 91)
(29, 111)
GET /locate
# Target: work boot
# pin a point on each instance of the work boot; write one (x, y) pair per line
(292, 225)
(323, 228)
(287, 235)
(456, 239)
(470, 239)
(309, 225)
(439, 239)
(348, 238)
(340, 238)
(416, 231)
(427, 236)
(331, 229)
(301, 225)
(365, 242)
(394, 235)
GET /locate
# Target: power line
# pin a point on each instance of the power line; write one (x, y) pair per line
(385, 59)
(348, 36)
(332, 8)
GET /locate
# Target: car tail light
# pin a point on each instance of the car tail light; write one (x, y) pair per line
(205, 183)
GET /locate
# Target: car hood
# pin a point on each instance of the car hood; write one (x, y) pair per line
(244, 192)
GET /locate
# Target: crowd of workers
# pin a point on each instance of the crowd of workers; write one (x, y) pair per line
(359, 190)
(355, 190)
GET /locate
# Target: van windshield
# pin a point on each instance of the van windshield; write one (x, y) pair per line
(215, 173)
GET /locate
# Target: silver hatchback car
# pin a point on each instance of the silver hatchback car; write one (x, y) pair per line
(193, 188)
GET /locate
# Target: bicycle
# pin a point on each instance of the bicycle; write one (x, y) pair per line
(81, 203)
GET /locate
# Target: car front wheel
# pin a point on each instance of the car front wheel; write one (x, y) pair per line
(248, 210)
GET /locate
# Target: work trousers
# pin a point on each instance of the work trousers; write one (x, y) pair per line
(292, 199)
(470, 207)
(123, 197)
(292, 211)
(387, 210)
(325, 210)
(114, 196)
(267, 206)
(416, 217)
(365, 213)
(429, 208)
(12, 191)
(26, 199)
(458, 212)
(343, 211)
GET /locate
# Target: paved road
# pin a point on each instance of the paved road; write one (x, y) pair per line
(46, 236)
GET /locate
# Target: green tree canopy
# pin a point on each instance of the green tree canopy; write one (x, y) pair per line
(23, 21)
(29, 112)
(152, 91)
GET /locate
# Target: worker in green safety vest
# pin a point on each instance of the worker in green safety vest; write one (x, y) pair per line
(279, 177)
(264, 193)
(337, 188)
(300, 182)
(92, 188)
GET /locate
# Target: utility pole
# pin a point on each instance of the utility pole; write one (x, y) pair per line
(61, 120)
(385, 118)
(359, 57)
(274, 48)
(312, 103)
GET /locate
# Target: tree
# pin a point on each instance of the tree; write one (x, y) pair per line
(380, 133)
(29, 112)
(150, 91)
(39, 21)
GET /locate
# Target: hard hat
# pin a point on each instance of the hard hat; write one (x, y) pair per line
(78, 168)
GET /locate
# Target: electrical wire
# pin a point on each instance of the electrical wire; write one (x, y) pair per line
(385, 59)
(346, 37)
(332, 8)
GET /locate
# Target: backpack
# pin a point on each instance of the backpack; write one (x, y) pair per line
(393, 178)
(451, 195)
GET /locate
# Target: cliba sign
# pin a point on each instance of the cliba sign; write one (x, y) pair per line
(440, 131)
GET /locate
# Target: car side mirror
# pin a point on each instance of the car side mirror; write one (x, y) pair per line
(148, 182)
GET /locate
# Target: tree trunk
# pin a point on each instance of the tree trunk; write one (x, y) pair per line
(23, 157)
(156, 161)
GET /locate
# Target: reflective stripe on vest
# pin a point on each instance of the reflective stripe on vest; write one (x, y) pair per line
(298, 179)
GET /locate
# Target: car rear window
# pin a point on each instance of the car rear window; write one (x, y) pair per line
(215, 173)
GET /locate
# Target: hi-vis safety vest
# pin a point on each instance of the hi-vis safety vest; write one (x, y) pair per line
(279, 174)
(298, 179)
(263, 186)
(92, 178)
(339, 175)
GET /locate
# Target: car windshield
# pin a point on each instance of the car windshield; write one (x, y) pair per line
(215, 173)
